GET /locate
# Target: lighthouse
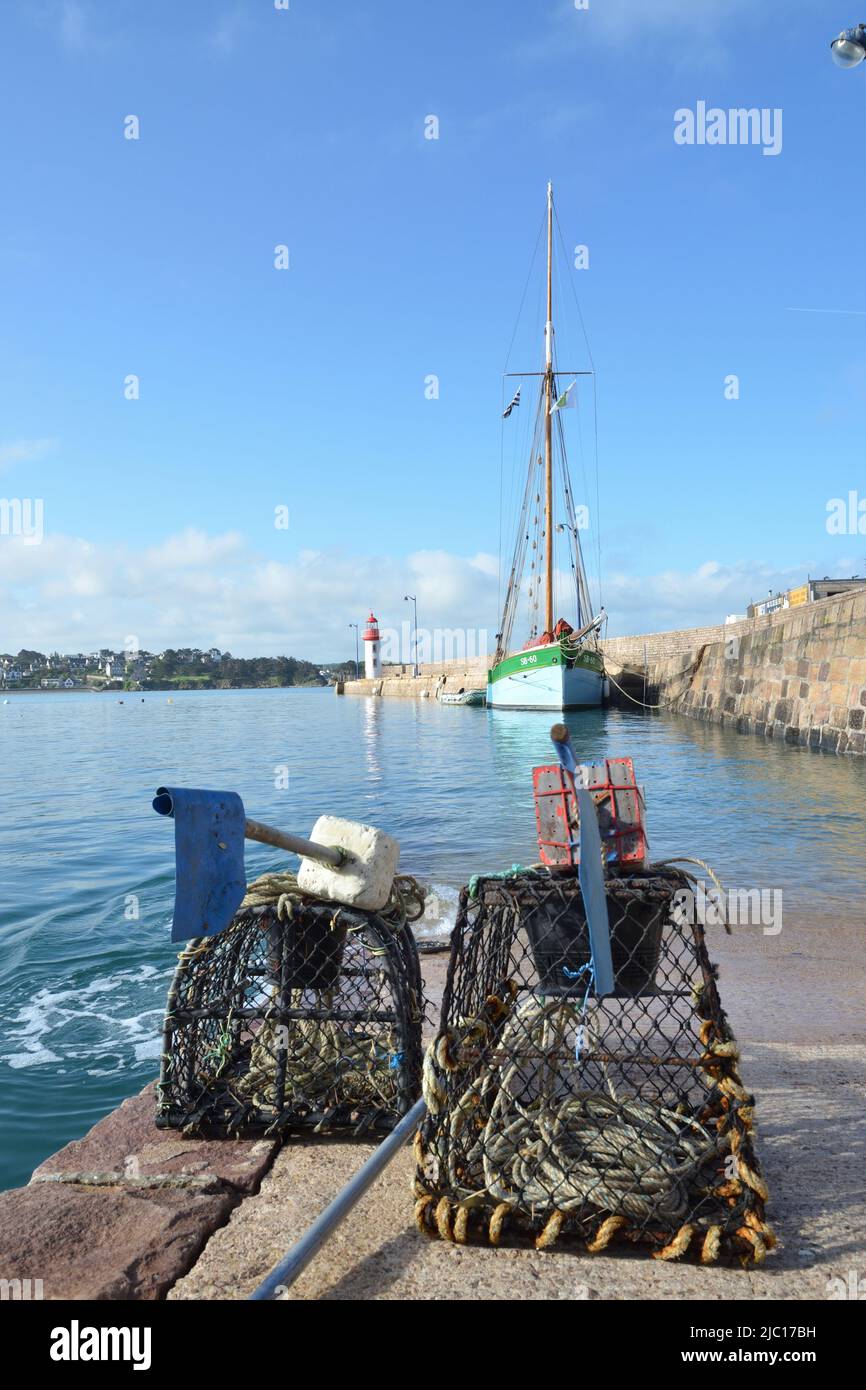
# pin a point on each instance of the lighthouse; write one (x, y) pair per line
(372, 649)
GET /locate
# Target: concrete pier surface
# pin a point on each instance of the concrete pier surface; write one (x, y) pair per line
(797, 1002)
(130, 1212)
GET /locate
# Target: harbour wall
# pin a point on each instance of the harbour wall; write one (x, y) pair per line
(399, 682)
(798, 675)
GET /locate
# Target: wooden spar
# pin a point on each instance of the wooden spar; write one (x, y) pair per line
(548, 405)
(267, 835)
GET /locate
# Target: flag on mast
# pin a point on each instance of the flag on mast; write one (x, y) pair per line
(566, 401)
(515, 401)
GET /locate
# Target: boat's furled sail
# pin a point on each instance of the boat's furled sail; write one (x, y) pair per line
(559, 665)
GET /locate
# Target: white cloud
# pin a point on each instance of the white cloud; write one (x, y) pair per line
(675, 599)
(25, 450)
(193, 589)
(224, 36)
(199, 590)
(625, 23)
(73, 24)
(636, 16)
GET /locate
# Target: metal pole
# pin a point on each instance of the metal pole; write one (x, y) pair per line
(357, 667)
(267, 835)
(283, 1275)
(548, 425)
(410, 598)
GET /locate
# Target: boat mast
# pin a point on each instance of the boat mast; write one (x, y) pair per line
(548, 443)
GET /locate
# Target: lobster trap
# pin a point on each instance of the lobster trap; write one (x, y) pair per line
(300, 1016)
(556, 1111)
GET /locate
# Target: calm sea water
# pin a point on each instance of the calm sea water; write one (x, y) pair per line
(82, 987)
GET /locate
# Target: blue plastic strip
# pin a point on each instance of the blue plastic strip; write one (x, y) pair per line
(209, 858)
(591, 876)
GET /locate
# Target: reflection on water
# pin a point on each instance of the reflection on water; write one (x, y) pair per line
(82, 985)
(372, 729)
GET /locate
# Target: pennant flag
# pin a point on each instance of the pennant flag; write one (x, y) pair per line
(514, 402)
(566, 401)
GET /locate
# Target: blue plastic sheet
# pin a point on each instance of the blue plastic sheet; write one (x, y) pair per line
(209, 858)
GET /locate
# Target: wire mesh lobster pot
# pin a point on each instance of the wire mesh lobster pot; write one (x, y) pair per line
(303, 1017)
(556, 1112)
(558, 933)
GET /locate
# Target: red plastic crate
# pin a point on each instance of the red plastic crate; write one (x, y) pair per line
(620, 813)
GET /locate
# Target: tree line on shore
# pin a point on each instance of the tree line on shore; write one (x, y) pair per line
(175, 668)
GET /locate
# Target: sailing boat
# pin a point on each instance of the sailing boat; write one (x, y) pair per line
(561, 667)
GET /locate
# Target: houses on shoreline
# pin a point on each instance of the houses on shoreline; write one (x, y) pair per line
(185, 668)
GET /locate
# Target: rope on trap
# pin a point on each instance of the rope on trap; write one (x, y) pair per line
(243, 1044)
(596, 1162)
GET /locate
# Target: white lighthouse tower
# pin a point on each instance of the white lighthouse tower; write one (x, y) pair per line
(372, 649)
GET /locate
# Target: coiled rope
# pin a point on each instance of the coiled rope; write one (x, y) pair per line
(627, 1157)
(517, 1140)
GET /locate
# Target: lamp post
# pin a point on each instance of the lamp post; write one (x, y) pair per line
(357, 668)
(410, 598)
(848, 49)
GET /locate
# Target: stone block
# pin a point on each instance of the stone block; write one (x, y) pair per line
(128, 1144)
(105, 1242)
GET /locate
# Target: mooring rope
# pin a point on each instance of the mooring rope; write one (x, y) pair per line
(665, 704)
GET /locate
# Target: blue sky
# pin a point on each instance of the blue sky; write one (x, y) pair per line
(408, 257)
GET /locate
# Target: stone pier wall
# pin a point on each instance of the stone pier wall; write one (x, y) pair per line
(398, 681)
(798, 675)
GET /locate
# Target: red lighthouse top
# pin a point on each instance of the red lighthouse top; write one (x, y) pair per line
(371, 632)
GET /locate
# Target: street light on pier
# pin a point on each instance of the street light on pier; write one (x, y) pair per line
(410, 598)
(357, 667)
(848, 49)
